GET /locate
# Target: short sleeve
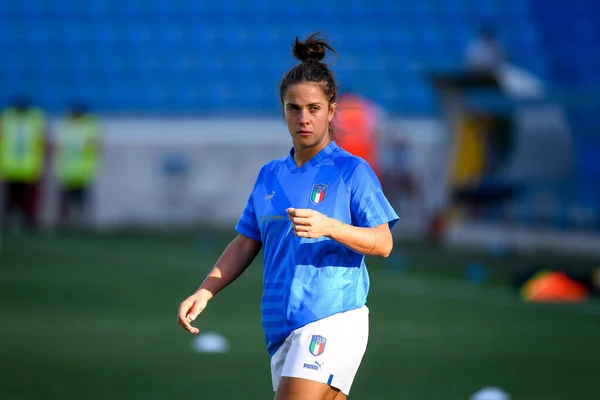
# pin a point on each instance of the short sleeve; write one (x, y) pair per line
(368, 205)
(247, 225)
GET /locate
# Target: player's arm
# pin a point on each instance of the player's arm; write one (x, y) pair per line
(375, 241)
(238, 255)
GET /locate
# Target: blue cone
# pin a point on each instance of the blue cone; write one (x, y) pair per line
(396, 263)
(476, 273)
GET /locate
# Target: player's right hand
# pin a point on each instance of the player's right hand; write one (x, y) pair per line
(189, 309)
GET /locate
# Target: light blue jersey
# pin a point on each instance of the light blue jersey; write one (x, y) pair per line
(309, 279)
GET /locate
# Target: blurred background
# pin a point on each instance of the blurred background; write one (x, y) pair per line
(132, 132)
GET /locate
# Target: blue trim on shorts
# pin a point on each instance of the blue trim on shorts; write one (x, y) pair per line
(330, 379)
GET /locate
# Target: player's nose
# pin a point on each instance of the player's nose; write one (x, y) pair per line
(303, 117)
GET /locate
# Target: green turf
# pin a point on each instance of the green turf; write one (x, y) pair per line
(94, 317)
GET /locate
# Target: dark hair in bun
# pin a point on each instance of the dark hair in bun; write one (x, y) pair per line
(311, 52)
(313, 48)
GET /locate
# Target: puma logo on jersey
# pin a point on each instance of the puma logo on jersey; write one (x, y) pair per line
(270, 196)
(316, 366)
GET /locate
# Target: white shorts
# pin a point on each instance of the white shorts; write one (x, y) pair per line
(328, 351)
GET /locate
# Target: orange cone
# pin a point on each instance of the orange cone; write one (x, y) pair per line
(553, 286)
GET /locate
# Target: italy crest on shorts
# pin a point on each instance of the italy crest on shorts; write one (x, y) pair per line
(318, 193)
(317, 345)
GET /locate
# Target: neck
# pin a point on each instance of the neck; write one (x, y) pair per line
(303, 154)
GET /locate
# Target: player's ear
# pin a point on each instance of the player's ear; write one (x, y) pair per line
(332, 108)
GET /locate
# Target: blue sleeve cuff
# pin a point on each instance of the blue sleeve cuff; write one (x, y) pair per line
(252, 234)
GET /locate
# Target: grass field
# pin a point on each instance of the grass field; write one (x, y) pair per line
(94, 317)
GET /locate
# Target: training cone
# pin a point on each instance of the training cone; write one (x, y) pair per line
(490, 393)
(476, 273)
(553, 286)
(210, 342)
(396, 262)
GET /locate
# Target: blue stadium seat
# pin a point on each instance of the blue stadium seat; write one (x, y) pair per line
(114, 48)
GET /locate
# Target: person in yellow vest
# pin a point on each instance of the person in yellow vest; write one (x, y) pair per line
(76, 148)
(23, 130)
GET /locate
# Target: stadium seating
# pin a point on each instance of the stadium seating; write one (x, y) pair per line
(186, 56)
(571, 34)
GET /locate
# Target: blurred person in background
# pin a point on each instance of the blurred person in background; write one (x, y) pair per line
(485, 54)
(357, 122)
(76, 152)
(23, 150)
(317, 213)
(399, 181)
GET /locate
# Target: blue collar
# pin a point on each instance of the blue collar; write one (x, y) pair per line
(317, 158)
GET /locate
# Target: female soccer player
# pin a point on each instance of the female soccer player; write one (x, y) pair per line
(316, 213)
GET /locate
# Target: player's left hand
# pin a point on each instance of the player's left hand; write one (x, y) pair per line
(309, 223)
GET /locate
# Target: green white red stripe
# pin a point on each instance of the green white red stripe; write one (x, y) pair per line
(317, 197)
(317, 345)
(318, 193)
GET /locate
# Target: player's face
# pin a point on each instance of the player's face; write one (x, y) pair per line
(307, 114)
